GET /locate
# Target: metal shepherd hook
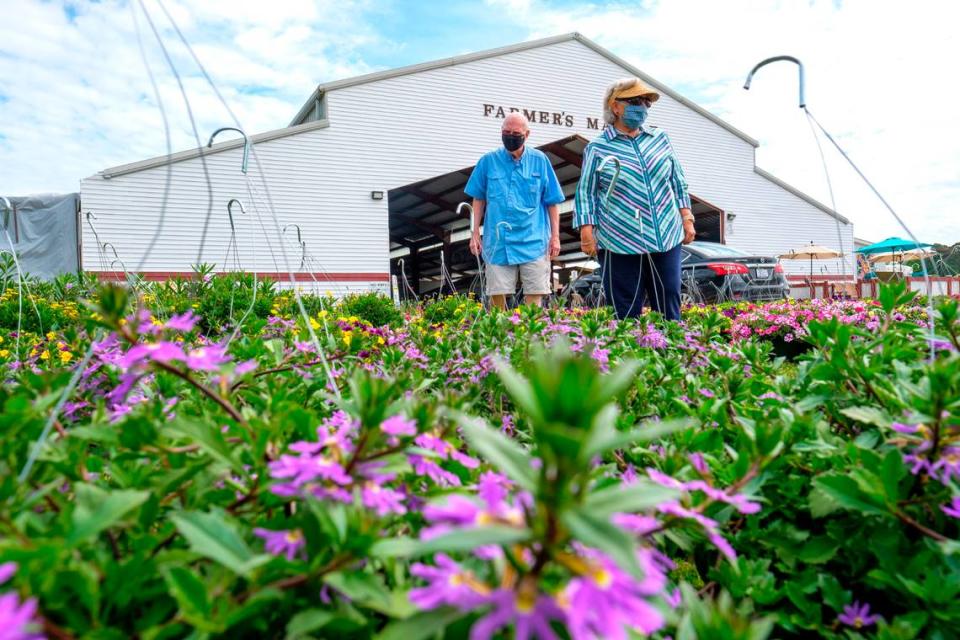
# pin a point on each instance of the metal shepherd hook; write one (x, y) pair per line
(246, 144)
(763, 63)
(303, 245)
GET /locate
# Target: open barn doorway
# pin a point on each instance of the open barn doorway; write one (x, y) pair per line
(429, 238)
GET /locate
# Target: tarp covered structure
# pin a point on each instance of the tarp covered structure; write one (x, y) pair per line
(43, 232)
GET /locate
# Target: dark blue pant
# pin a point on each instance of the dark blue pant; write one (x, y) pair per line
(630, 280)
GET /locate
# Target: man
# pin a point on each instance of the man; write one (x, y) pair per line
(515, 196)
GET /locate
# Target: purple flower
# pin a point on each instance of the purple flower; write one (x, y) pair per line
(306, 468)
(382, 499)
(427, 467)
(530, 615)
(287, 543)
(952, 510)
(905, 428)
(449, 585)
(399, 426)
(696, 459)
(607, 601)
(858, 616)
(207, 358)
(947, 466)
(707, 393)
(154, 351)
(183, 322)
(7, 569)
(17, 619)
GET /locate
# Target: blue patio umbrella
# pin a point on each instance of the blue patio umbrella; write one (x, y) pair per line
(892, 245)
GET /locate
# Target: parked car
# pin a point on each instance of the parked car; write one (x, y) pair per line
(710, 273)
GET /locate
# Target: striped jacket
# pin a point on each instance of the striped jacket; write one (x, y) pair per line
(642, 214)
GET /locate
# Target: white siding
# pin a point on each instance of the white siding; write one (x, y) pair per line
(399, 130)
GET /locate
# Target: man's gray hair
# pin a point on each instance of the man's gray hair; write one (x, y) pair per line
(516, 115)
(616, 87)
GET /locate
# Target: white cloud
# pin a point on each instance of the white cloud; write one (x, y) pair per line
(76, 98)
(878, 78)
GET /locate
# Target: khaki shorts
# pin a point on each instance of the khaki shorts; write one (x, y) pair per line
(534, 276)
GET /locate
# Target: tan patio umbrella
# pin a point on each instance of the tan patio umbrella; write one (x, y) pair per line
(810, 252)
(904, 256)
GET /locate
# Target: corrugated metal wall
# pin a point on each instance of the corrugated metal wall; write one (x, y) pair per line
(399, 130)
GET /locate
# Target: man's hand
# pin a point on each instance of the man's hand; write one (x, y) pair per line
(689, 233)
(587, 243)
(554, 247)
(475, 245)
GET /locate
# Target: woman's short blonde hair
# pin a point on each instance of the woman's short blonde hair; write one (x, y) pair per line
(621, 86)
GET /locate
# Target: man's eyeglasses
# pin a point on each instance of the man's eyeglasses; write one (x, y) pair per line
(637, 101)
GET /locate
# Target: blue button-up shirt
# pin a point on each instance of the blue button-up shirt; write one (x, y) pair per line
(517, 193)
(642, 214)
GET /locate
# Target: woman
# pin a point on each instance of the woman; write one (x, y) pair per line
(636, 230)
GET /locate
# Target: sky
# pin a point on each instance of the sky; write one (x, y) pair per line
(76, 96)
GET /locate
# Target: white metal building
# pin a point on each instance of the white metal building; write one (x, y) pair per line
(374, 166)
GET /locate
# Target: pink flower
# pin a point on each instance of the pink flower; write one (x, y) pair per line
(154, 351)
(383, 500)
(426, 467)
(399, 426)
(183, 322)
(17, 619)
(207, 358)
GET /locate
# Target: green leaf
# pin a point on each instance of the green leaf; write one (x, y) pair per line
(627, 498)
(213, 535)
(470, 539)
(421, 626)
(892, 472)
(818, 550)
(394, 548)
(191, 596)
(98, 509)
(848, 495)
(520, 390)
(505, 454)
(604, 439)
(307, 622)
(867, 415)
(210, 440)
(605, 536)
(369, 591)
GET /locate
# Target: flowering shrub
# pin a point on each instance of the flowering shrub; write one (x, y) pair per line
(188, 471)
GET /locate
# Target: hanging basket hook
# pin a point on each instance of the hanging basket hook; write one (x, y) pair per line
(246, 144)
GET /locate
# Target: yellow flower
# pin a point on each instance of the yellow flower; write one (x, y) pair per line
(314, 324)
(33, 352)
(347, 337)
(1, 339)
(61, 344)
(4, 353)
(323, 314)
(353, 319)
(45, 355)
(380, 340)
(51, 335)
(65, 357)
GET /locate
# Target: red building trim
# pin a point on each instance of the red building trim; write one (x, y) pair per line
(326, 276)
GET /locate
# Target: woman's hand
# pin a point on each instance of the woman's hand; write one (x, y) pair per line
(587, 243)
(689, 233)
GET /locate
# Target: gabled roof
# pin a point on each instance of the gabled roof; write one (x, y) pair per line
(514, 48)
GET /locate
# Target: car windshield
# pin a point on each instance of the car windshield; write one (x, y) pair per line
(714, 250)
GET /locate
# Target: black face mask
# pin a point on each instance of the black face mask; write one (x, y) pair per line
(513, 141)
